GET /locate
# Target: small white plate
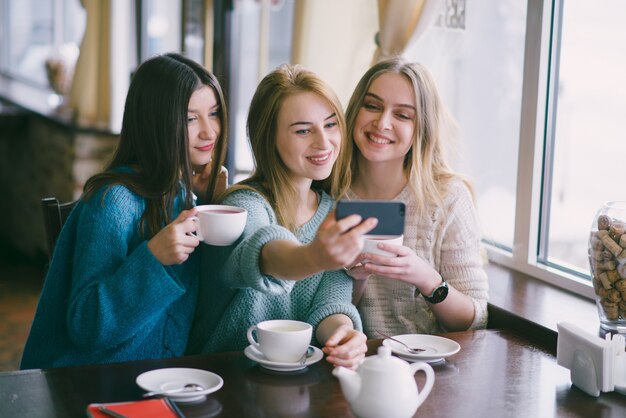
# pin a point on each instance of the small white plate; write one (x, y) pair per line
(255, 355)
(427, 360)
(175, 378)
(436, 347)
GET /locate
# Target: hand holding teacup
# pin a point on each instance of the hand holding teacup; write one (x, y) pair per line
(281, 340)
(377, 249)
(201, 178)
(371, 246)
(173, 244)
(403, 264)
(220, 225)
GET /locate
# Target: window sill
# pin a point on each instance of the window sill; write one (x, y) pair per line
(533, 307)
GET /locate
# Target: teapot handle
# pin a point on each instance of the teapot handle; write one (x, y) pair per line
(430, 380)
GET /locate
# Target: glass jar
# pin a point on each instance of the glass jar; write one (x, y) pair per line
(607, 260)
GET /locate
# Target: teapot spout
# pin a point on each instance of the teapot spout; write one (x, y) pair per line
(350, 382)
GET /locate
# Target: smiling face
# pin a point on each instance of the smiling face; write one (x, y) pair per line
(308, 136)
(203, 125)
(385, 125)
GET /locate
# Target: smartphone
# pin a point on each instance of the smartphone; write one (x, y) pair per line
(390, 214)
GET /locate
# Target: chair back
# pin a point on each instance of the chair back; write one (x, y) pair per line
(54, 216)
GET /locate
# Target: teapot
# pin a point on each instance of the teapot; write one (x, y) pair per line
(384, 386)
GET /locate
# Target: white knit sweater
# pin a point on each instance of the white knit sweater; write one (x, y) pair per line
(451, 244)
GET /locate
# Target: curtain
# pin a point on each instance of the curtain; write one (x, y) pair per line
(208, 34)
(337, 45)
(401, 22)
(90, 94)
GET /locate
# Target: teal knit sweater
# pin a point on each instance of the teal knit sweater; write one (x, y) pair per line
(106, 298)
(234, 294)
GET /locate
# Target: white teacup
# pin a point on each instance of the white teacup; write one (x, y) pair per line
(281, 340)
(370, 244)
(220, 224)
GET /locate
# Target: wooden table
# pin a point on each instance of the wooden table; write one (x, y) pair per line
(496, 374)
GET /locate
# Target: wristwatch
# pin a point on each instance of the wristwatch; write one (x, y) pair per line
(439, 294)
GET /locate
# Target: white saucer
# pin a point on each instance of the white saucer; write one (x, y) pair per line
(175, 378)
(436, 348)
(413, 359)
(255, 355)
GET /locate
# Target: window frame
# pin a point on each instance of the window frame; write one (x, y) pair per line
(57, 39)
(539, 102)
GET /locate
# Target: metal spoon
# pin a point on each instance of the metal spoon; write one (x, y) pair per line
(309, 353)
(189, 387)
(412, 350)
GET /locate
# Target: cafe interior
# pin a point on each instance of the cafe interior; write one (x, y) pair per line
(538, 136)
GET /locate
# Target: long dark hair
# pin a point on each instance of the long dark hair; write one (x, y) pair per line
(154, 140)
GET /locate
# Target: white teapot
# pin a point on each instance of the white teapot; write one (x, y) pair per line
(384, 386)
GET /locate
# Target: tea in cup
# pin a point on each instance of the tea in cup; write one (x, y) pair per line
(220, 224)
(281, 340)
(370, 244)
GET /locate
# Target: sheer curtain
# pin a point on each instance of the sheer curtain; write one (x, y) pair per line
(335, 39)
(402, 22)
(102, 73)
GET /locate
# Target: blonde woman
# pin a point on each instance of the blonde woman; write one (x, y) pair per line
(288, 262)
(400, 130)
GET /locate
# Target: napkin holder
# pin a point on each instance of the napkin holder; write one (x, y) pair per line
(596, 365)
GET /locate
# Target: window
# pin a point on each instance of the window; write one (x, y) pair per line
(588, 146)
(33, 31)
(479, 71)
(160, 27)
(259, 44)
(538, 92)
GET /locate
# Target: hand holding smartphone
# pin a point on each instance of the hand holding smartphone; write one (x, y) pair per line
(390, 214)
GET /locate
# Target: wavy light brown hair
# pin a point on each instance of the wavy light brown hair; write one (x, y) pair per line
(271, 176)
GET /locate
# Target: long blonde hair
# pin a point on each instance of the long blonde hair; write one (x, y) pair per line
(271, 176)
(426, 163)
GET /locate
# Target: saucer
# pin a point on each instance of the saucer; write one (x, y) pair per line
(430, 361)
(436, 348)
(255, 355)
(175, 378)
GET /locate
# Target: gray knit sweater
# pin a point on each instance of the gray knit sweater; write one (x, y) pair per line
(451, 244)
(235, 294)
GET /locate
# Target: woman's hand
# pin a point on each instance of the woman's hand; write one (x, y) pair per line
(406, 266)
(200, 181)
(174, 243)
(358, 271)
(338, 243)
(345, 347)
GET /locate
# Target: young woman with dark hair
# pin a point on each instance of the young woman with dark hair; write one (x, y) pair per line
(122, 284)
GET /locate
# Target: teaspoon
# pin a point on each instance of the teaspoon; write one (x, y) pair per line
(309, 353)
(189, 387)
(412, 350)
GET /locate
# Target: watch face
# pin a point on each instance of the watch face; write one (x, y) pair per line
(439, 294)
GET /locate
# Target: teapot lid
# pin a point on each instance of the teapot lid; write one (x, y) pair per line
(384, 361)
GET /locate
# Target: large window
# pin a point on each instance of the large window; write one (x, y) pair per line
(588, 142)
(538, 90)
(479, 70)
(32, 31)
(261, 41)
(160, 27)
